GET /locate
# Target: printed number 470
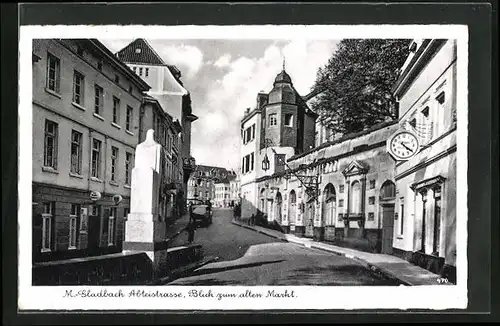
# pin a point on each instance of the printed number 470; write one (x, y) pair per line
(442, 280)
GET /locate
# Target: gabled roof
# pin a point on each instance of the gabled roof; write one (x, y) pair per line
(139, 51)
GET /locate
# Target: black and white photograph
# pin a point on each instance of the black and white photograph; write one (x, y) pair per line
(217, 163)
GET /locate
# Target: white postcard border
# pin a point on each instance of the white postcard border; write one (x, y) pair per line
(305, 297)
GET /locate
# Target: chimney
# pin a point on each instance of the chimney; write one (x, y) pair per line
(261, 99)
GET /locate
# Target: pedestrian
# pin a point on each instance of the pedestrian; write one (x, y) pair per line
(191, 227)
(252, 219)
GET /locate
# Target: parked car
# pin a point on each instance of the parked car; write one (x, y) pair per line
(200, 211)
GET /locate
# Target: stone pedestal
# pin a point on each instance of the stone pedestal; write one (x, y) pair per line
(143, 230)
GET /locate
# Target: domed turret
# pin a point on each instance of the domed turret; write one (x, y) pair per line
(282, 77)
(282, 91)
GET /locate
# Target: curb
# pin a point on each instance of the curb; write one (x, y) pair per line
(374, 268)
(183, 271)
(259, 231)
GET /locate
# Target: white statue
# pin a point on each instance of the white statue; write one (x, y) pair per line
(148, 153)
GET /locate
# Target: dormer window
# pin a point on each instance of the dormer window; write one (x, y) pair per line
(138, 50)
(425, 112)
(413, 47)
(79, 51)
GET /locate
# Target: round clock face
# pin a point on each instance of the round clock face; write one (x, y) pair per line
(404, 145)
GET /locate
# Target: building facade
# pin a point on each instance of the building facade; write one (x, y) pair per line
(168, 89)
(167, 134)
(280, 126)
(201, 184)
(426, 183)
(223, 191)
(234, 188)
(85, 129)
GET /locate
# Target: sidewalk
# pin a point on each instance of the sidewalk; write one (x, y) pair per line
(387, 265)
(177, 227)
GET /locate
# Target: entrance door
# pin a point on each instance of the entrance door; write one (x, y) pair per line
(94, 228)
(387, 228)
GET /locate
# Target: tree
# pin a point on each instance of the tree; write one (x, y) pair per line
(356, 84)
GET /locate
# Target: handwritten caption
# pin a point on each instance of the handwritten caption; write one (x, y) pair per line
(193, 293)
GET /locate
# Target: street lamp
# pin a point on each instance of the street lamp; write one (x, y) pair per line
(265, 163)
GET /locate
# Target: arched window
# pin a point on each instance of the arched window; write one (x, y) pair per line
(329, 205)
(388, 190)
(263, 200)
(355, 198)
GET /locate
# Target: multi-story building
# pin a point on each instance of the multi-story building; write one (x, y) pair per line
(85, 129)
(167, 133)
(167, 88)
(201, 184)
(223, 191)
(280, 126)
(235, 194)
(426, 183)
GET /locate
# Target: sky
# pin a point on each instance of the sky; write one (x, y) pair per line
(224, 77)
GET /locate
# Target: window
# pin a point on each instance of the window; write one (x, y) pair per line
(273, 120)
(388, 190)
(439, 114)
(47, 216)
(402, 216)
(53, 73)
(116, 110)
(371, 216)
(289, 120)
(73, 226)
(140, 71)
(99, 64)
(78, 87)
(76, 152)
(114, 161)
(98, 99)
(341, 189)
(117, 79)
(95, 210)
(279, 163)
(111, 226)
(50, 144)
(128, 162)
(355, 199)
(147, 72)
(372, 184)
(437, 221)
(371, 200)
(96, 158)
(128, 120)
(135, 70)
(413, 122)
(341, 203)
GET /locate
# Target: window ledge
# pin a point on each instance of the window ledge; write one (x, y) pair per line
(46, 250)
(71, 248)
(115, 125)
(78, 106)
(110, 244)
(127, 186)
(51, 92)
(75, 175)
(129, 132)
(113, 183)
(400, 237)
(96, 179)
(83, 232)
(98, 116)
(49, 169)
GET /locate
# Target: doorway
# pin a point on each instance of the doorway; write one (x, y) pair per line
(387, 228)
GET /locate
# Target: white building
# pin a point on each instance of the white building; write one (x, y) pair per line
(280, 126)
(426, 183)
(168, 89)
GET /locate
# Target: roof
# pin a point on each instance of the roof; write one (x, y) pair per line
(102, 50)
(139, 51)
(283, 77)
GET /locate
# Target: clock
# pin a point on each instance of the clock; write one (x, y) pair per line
(403, 145)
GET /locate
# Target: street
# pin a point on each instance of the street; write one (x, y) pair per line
(250, 258)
